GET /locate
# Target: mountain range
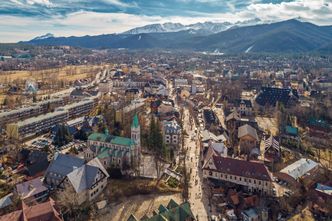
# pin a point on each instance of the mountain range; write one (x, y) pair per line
(290, 36)
(203, 28)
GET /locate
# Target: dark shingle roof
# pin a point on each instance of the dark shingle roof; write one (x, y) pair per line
(241, 168)
(272, 95)
(83, 177)
(64, 164)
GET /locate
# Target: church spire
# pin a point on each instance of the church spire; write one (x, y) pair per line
(135, 123)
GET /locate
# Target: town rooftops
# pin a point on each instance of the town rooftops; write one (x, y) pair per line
(64, 164)
(6, 201)
(247, 103)
(30, 188)
(44, 211)
(234, 115)
(83, 177)
(299, 168)
(40, 118)
(17, 111)
(103, 137)
(272, 95)
(242, 168)
(247, 130)
(172, 211)
(124, 141)
(172, 127)
(291, 130)
(324, 189)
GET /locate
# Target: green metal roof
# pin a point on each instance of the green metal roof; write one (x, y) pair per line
(162, 208)
(135, 122)
(132, 218)
(172, 204)
(98, 137)
(174, 212)
(104, 153)
(124, 141)
(291, 130)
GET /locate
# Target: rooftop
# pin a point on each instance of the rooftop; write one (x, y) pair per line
(241, 168)
(299, 168)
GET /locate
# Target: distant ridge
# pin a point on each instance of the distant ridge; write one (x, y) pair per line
(290, 36)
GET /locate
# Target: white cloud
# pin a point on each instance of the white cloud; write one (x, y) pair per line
(15, 28)
(40, 2)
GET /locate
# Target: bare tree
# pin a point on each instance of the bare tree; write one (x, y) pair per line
(69, 203)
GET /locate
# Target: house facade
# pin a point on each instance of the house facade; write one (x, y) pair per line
(248, 138)
(115, 151)
(171, 133)
(242, 106)
(253, 176)
(87, 181)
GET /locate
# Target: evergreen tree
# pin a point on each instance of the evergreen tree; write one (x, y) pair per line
(62, 136)
(81, 135)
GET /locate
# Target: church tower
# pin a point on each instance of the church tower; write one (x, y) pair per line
(136, 131)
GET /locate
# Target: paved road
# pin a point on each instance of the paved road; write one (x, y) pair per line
(197, 198)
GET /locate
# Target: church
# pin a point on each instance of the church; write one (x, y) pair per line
(115, 151)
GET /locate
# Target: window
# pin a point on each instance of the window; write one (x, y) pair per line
(240, 178)
(249, 180)
(230, 177)
(254, 181)
(259, 182)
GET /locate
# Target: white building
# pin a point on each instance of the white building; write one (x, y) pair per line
(171, 132)
(253, 176)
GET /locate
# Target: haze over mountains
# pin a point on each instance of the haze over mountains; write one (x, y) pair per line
(291, 36)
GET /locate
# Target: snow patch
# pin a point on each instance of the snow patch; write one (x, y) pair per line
(249, 49)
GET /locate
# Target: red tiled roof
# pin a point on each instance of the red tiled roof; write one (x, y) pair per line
(242, 168)
(44, 211)
(13, 216)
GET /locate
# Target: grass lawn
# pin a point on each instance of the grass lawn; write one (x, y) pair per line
(305, 215)
(131, 187)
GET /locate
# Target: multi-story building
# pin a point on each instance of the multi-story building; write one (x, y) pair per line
(253, 176)
(87, 181)
(31, 111)
(171, 133)
(35, 125)
(242, 106)
(42, 123)
(59, 168)
(248, 138)
(80, 108)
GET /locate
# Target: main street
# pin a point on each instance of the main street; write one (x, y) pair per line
(197, 193)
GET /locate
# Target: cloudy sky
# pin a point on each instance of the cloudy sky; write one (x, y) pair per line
(26, 19)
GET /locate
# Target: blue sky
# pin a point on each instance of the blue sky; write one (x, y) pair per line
(25, 19)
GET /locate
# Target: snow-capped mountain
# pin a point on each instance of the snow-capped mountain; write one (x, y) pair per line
(48, 35)
(203, 28)
(156, 28)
